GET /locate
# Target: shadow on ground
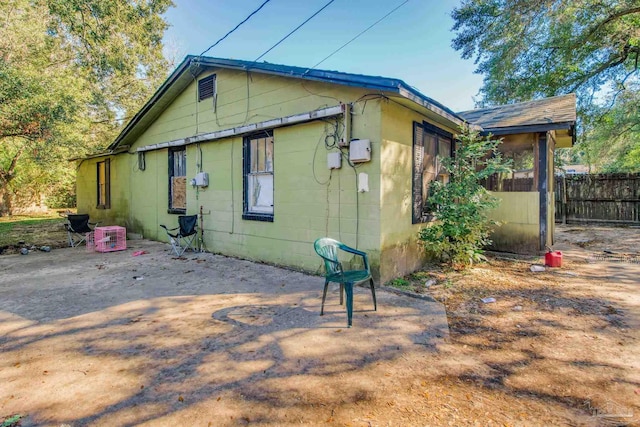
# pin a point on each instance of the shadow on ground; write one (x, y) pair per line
(112, 339)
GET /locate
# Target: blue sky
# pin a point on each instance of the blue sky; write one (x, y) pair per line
(413, 44)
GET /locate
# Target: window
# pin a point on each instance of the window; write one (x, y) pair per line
(523, 176)
(178, 180)
(258, 177)
(206, 87)
(430, 146)
(104, 185)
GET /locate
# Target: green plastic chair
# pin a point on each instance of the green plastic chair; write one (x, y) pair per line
(328, 250)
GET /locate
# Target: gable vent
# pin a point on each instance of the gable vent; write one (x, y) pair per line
(206, 87)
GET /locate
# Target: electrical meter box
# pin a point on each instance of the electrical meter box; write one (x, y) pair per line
(360, 150)
(334, 160)
(202, 179)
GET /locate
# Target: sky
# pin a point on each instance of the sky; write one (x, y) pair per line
(412, 44)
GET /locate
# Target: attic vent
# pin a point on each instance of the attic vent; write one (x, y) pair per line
(206, 87)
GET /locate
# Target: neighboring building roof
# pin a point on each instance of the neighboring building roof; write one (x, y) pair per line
(192, 66)
(558, 112)
(576, 169)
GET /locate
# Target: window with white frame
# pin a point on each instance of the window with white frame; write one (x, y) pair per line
(258, 176)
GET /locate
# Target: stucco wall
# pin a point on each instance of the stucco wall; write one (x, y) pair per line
(86, 190)
(519, 215)
(309, 200)
(401, 251)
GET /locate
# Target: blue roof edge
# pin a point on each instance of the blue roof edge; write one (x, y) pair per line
(377, 83)
(338, 77)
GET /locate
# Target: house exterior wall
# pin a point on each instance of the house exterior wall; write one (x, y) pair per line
(87, 185)
(519, 212)
(519, 216)
(309, 200)
(401, 252)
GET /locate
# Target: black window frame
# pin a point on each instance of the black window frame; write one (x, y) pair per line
(421, 131)
(106, 203)
(246, 170)
(172, 153)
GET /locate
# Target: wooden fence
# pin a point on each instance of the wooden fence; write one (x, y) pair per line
(598, 198)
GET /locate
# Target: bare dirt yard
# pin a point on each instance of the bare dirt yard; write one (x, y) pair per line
(112, 339)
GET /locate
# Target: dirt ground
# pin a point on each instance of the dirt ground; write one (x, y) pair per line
(113, 339)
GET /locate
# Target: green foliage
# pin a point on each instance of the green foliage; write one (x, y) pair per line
(614, 136)
(399, 283)
(71, 71)
(461, 206)
(531, 49)
(12, 421)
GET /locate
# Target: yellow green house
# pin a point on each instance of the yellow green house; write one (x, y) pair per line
(275, 156)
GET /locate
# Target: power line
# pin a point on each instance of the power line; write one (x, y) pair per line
(359, 34)
(235, 28)
(294, 30)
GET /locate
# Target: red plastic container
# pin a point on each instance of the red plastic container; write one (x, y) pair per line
(553, 259)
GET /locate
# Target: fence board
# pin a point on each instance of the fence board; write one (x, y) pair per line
(606, 198)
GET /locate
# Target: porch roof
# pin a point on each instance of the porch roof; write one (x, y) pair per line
(556, 113)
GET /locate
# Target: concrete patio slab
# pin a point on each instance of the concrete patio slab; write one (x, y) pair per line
(116, 339)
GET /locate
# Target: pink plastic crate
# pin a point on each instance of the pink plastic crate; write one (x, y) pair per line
(109, 239)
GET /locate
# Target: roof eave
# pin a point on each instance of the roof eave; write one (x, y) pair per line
(541, 127)
(431, 105)
(380, 84)
(168, 83)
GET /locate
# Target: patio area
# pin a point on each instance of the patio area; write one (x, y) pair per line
(115, 339)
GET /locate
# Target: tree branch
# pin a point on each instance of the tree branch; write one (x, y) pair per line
(613, 62)
(7, 174)
(610, 18)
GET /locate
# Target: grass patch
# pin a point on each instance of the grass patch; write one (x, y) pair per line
(399, 283)
(26, 231)
(419, 281)
(12, 421)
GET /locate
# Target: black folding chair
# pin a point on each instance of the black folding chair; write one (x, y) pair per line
(186, 235)
(77, 227)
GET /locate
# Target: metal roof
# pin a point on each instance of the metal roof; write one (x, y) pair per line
(558, 112)
(192, 66)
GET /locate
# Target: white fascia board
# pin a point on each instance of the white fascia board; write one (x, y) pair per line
(336, 110)
(406, 94)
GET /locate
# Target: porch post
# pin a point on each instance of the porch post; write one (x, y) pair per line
(543, 187)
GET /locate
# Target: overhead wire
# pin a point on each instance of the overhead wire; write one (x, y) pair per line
(341, 47)
(328, 146)
(294, 30)
(235, 28)
(359, 34)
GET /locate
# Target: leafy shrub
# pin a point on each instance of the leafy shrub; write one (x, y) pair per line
(460, 207)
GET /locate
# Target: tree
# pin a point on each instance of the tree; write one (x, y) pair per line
(461, 206)
(531, 49)
(70, 71)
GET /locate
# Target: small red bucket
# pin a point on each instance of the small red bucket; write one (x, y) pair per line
(553, 259)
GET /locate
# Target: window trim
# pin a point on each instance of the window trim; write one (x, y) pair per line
(246, 168)
(418, 214)
(107, 184)
(170, 208)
